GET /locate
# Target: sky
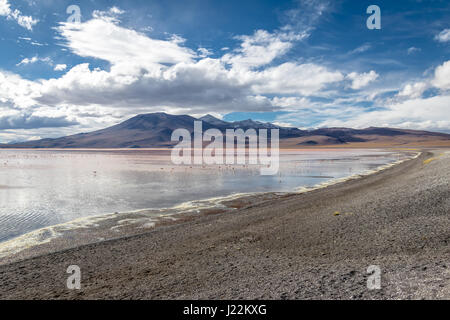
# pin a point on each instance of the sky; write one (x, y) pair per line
(76, 66)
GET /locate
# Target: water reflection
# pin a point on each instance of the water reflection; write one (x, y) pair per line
(40, 188)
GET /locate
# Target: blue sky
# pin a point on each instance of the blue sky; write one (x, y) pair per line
(305, 63)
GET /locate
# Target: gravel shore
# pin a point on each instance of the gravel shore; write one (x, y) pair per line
(316, 245)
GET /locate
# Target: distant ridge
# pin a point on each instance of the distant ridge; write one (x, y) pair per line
(155, 130)
(213, 120)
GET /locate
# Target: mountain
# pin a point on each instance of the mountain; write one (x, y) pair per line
(213, 120)
(370, 137)
(155, 130)
(251, 124)
(145, 130)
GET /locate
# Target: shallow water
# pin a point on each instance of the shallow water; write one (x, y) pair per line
(40, 188)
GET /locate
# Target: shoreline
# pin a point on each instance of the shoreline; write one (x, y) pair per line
(296, 247)
(51, 238)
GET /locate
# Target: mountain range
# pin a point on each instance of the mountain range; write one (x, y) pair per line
(155, 130)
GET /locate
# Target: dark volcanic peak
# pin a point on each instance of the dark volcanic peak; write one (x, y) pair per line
(156, 120)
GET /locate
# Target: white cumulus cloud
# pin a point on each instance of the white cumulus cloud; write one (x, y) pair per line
(442, 76)
(360, 80)
(413, 90)
(24, 21)
(103, 39)
(443, 36)
(261, 48)
(34, 59)
(60, 67)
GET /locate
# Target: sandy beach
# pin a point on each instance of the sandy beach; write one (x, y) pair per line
(315, 245)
